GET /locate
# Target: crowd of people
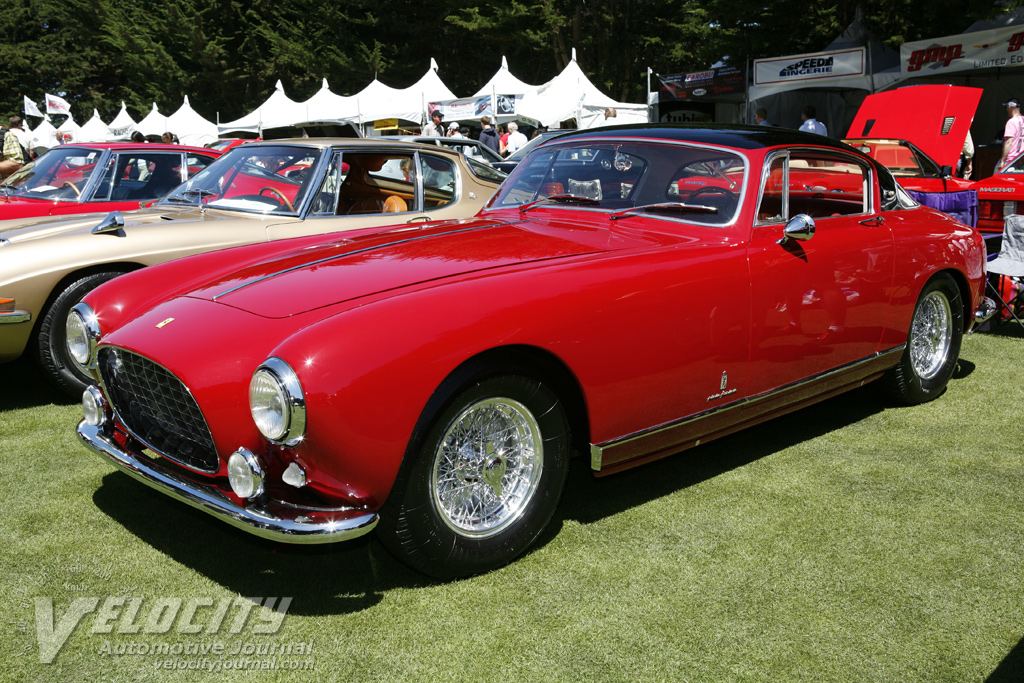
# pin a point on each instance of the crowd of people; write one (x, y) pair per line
(503, 140)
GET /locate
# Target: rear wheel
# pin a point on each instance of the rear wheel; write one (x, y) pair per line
(51, 349)
(933, 344)
(485, 480)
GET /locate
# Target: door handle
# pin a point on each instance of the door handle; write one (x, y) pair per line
(419, 219)
(873, 222)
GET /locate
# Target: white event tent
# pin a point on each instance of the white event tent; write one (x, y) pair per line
(93, 130)
(190, 127)
(504, 83)
(154, 123)
(123, 125)
(279, 110)
(328, 106)
(44, 135)
(570, 94)
(70, 129)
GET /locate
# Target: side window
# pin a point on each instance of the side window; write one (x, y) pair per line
(196, 163)
(822, 185)
(374, 182)
(439, 181)
(139, 176)
(325, 201)
(772, 207)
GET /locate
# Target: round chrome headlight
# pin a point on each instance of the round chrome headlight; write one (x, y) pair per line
(245, 474)
(82, 331)
(277, 403)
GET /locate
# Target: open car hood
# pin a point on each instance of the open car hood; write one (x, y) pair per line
(936, 118)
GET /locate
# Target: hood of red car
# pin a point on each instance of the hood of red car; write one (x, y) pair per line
(327, 273)
(936, 118)
(25, 207)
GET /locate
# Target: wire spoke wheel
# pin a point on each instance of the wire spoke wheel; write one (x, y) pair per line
(931, 335)
(487, 467)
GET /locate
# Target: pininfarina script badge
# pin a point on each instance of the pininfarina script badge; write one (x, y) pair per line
(724, 392)
(164, 322)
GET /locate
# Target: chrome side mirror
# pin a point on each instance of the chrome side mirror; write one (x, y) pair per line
(114, 222)
(800, 227)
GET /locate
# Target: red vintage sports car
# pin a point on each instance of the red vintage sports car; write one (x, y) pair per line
(100, 177)
(628, 293)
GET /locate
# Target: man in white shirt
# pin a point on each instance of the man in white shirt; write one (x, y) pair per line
(812, 124)
(515, 138)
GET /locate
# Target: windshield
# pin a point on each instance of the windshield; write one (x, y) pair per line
(253, 178)
(60, 173)
(688, 183)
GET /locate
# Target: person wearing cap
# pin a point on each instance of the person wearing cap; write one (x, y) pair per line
(435, 128)
(453, 130)
(1013, 134)
(515, 138)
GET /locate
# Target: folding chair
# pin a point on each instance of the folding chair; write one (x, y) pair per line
(1010, 263)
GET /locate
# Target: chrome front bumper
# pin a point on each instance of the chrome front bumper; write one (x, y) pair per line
(342, 525)
(986, 310)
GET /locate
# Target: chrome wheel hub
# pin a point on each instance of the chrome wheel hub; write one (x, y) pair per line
(930, 335)
(487, 467)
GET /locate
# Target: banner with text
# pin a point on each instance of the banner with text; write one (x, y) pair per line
(726, 80)
(474, 108)
(817, 69)
(996, 47)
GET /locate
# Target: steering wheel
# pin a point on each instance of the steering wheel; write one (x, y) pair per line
(280, 196)
(711, 189)
(78, 193)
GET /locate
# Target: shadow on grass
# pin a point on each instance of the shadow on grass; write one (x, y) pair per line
(1011, 669)
(23, 386)
(353, 575)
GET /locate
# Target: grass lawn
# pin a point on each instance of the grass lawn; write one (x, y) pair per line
(853, 541)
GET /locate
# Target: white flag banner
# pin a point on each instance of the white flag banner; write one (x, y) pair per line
(57, 105)
(997, 47)
(31, 108)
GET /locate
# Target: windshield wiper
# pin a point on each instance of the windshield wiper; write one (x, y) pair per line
(561, 199)
(664, 206)
(191, 196)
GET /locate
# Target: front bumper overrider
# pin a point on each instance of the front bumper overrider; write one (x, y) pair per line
(337, 525)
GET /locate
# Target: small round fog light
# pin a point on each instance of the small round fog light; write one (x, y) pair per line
(245, 474)
(93, 406)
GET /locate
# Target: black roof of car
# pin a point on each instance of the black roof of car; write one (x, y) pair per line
(729, 135)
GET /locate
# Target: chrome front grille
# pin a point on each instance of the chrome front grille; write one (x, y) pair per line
(157, 408)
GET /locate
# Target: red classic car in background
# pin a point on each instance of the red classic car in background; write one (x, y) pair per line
(99, 177)
(628, 293)
(918, 133)
(998, 197)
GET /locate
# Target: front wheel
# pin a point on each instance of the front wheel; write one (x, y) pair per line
(933, 344)
(484, 482)
(51, 347)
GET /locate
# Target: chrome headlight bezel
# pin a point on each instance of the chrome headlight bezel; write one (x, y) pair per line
(277, 403)
(82, 334)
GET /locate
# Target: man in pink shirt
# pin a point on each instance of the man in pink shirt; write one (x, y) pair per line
(1013, 134)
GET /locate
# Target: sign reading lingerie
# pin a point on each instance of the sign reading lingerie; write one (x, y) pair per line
(819, 68)
(476, 107)
(724, 80)
(997, 47)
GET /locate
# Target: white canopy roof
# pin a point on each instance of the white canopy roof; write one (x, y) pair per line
(94, 130)
(44, 135)
(123, 125)
(69, 127)
(378, 101)
(279, 110)
(571, 94)
(327, 106)
(504, 83)
(190, 127)
(155, 123)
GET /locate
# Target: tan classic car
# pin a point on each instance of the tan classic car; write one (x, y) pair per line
(258, 192)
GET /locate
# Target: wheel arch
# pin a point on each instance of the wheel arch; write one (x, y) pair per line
(532, 361)
(62, 284)
(964, 288)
